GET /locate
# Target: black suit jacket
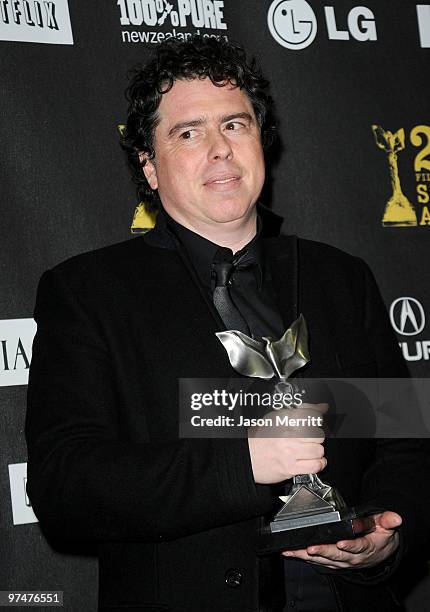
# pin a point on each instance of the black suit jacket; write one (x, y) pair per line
(175, 519)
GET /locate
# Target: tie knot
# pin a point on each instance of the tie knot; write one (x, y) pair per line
(223, 270)
(223, 266)
(225, 263)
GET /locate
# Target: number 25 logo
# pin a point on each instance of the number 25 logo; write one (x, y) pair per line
(420, 134)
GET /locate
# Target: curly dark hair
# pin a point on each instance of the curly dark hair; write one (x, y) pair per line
(195, 58)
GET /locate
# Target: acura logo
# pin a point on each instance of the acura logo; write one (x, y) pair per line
(407, 316)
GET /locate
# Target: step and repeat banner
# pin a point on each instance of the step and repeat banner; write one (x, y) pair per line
(352, 168)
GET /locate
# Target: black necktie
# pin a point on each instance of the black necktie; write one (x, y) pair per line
(223, 266)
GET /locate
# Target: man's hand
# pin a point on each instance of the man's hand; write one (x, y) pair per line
(281, 452)
(365, 551)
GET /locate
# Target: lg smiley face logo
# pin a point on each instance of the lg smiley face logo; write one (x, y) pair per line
(292, 23)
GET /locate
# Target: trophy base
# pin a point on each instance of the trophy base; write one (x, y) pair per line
(306, 530)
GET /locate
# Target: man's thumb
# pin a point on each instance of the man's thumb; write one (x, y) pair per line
(390, 520)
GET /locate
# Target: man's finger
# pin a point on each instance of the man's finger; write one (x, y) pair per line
(328, 551)
(388, 520)
(322, 550)
(317, 560)
(311, 466)
(359, 545)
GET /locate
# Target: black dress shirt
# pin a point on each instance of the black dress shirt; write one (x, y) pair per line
(251, 287)
(253, 294)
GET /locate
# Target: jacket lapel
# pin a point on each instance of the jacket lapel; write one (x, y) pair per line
(281, 257)
(162, 237)
(282, 260)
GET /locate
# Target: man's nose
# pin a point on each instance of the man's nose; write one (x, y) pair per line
(220, 147)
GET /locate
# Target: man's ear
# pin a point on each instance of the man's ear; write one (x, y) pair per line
(149, 170)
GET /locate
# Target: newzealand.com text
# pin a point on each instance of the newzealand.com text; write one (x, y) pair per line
(155, 36)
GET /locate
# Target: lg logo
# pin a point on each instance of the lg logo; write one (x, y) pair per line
(423, 16)
(408, 319)
(293, 24)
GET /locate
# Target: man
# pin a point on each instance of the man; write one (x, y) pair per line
(176, 519)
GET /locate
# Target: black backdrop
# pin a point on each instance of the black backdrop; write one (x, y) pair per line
(65, 186)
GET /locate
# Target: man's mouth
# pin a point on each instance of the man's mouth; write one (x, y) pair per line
(222, 179)
(228, 180)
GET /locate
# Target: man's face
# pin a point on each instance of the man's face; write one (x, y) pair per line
(209, 165)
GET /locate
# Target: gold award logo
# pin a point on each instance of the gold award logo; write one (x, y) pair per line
(399, 210)
(143, 219)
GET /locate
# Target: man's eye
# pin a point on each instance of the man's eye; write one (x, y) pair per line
(186, 135)
(234, 125)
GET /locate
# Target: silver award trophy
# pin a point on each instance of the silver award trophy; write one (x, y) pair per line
(313, 512)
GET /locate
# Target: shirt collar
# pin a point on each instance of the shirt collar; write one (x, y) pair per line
(202, 251)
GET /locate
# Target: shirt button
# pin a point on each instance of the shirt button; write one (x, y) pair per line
(233, 578)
